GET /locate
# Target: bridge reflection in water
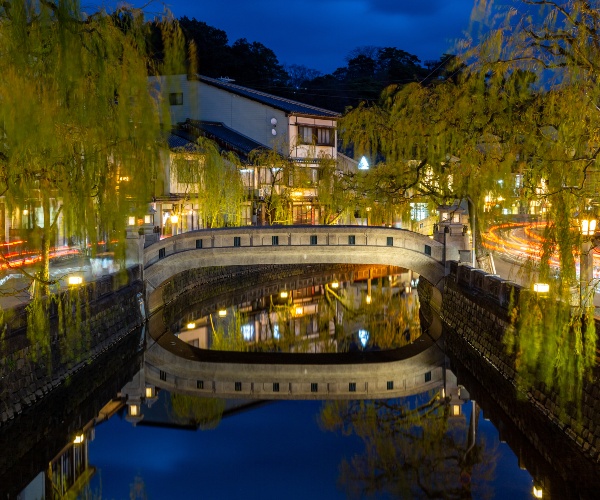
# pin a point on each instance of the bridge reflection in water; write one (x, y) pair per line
(400, 362)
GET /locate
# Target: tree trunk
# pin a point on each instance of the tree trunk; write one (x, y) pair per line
(44, 273)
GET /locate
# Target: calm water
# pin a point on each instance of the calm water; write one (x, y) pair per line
(181, 446)
(277, 450)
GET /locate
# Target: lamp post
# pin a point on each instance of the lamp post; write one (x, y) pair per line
(587, 226)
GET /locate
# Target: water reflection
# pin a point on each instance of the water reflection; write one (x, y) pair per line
(432, 442)
(369, 311)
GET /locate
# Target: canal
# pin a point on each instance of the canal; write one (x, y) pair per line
(125, 426)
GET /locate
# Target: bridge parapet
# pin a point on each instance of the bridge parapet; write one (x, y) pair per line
(309, 236)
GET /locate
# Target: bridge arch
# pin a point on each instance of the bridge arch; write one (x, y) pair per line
(174, 365)
(293, 245)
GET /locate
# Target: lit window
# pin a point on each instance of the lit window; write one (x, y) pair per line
(248, 331)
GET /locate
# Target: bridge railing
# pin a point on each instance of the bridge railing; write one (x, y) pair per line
(310, 236)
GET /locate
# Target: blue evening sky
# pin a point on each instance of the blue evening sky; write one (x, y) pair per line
(319, 34)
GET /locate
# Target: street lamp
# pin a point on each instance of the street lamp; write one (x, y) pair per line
(587, 226)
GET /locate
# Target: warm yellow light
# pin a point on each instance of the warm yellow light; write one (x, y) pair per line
(149, 392)
(25, 211)
(222, 313)
(134, 410)
(148, 219)
(299, 311)
(284, 294)
(407, 289)
(335, 284)
(537, 492)
(131, 221)
(455, 410)
(174, 219)
(79, 438)
(74, 280)
(191, 325)
(588, 227)
(541, 287)
(368, 299)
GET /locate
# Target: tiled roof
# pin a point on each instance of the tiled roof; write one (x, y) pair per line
(287, 105)
(182, 141)
(224, 136)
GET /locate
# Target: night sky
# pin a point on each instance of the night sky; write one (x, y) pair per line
(319, 34)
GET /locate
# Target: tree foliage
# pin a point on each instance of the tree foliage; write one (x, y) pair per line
(79, 128)
(412, 449)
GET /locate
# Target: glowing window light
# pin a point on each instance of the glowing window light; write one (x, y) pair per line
(248, 331)
(284, 294)
(456, 410)
(363, 164)
(148, 219)
(222, 313)
(299, 311)
(149, 392)
(363, 336)
(131, 221)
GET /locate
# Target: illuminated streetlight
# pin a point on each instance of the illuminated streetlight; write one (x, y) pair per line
(368, 299)
(191, 325)
(79, 438)
(541, 287)
(222, 313)
(74, 280)
(335, 285)
(537, 491)
(284, 294)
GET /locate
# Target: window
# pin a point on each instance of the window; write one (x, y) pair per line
(176, 98)
(237, 241)
(274, 240)
(352, 387)
(390, 385)
(199, 384)
(275, 386)
(390, 241)
(313, 239)
(427, 250)
(351, 240)
(314, 135)
(163, 375)
(238, 386)
(314, 387)
(198, 243)
(161, 253)
(428, 377)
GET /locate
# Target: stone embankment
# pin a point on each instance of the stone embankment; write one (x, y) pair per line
(475, 308)
(110, 309)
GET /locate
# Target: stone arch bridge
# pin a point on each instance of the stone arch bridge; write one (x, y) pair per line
(294, 245)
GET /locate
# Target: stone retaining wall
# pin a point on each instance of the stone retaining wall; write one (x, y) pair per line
(25, 378)
(475, 310)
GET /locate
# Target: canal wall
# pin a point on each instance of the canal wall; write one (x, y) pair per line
(475, 310)
(110, 309)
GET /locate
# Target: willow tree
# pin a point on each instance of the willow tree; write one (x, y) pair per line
(559, 142)
(212, 180)
(442, 142)
(525, 103)
(79, 129)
